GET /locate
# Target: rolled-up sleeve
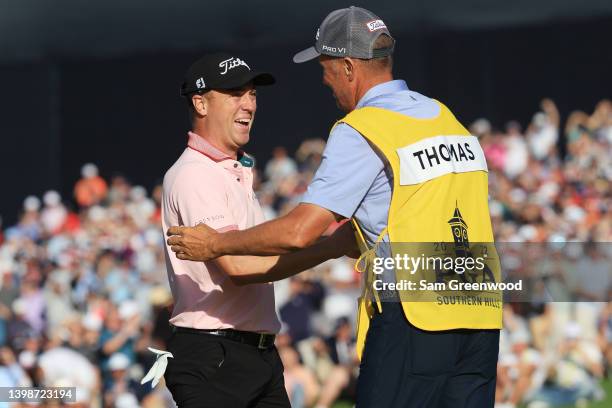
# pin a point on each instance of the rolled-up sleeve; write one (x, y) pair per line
(348, 168)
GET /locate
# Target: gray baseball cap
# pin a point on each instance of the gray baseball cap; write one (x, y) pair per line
(348, 32)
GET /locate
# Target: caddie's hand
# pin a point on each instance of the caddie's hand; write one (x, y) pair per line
(192, 243)
(344, 241)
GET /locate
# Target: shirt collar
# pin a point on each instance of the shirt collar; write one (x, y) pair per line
(201, 145)
(388, 87)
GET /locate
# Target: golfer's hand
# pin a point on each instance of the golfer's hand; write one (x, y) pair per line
(192, 243)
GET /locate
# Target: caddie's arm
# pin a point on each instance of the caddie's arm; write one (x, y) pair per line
(297, 230)
(258, 269)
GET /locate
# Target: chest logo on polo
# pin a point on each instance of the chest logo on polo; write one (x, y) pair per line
(436, 156)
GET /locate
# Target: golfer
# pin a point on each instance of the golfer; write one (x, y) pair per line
(222, 353)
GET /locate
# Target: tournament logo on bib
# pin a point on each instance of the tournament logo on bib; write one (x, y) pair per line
(461, 249)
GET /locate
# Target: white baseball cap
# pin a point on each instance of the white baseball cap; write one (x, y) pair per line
(118, 361)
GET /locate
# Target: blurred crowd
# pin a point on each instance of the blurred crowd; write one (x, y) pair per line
(550, 187)
(84, 290)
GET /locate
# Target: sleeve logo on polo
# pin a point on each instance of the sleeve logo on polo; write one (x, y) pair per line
(375, 25)
(439, 155)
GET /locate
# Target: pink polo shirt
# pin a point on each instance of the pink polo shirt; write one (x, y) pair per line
(207, 186)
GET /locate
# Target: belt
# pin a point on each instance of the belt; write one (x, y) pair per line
(262, 341)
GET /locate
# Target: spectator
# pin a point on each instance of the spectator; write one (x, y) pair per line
(9, 290)
(57, 300)
(280, 167)
(64, 367)
(140, 208)
(11, 372)
(91, 189)
(302, 385)
(543, 133)
(119, 383)
(54, 215)
(297, 311)
(517, 155)
(119, 334)
(575, 373)
(29, 223)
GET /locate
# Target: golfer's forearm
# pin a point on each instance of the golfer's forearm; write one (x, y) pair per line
(256, 269)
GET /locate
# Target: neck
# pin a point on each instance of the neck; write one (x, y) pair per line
(201, 130)
(369, 82)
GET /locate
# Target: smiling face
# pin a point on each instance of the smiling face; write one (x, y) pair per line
(337, 80)
(228, 116)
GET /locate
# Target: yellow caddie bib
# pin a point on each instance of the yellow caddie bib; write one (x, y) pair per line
(439, 207)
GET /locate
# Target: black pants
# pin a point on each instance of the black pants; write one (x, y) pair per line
(406, 367)
(210, 371)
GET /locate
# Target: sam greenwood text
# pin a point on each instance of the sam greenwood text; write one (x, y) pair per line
(452, 285)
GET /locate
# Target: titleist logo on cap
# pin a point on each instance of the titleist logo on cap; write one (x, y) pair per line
(375, 25)
(231, 63)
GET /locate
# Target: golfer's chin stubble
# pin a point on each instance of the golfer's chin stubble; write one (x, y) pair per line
(240, 137)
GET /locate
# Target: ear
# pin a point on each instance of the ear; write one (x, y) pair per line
(348, 68)
(200, 104)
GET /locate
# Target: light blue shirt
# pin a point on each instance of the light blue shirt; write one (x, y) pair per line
(353, 180)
